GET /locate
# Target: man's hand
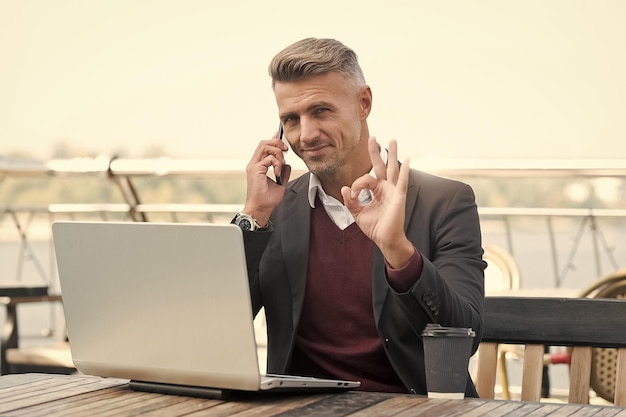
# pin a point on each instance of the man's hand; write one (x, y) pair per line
(382, 219)
(263, 194)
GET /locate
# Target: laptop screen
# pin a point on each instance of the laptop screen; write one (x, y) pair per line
(158, 302)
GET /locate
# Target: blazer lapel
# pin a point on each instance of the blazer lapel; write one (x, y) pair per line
(379, 280)
(294, 236)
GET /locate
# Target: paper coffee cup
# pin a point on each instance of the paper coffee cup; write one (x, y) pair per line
(447, 351)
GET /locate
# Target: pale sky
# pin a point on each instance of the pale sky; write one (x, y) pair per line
(451, 78)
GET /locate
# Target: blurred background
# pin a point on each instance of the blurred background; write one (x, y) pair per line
(189, 78)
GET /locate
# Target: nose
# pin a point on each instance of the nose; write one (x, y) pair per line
(309, 130)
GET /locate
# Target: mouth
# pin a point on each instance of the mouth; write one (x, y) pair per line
(314, 151)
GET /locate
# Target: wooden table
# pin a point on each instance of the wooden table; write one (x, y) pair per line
(74, 395)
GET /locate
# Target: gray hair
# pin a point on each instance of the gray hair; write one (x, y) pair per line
(313, 56)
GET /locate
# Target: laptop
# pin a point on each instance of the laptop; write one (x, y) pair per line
(165, 305)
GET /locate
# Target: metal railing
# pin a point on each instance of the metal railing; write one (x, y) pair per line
(123, 173)
(23, 219)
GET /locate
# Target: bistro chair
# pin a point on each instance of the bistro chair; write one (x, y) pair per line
(581, 323)
(502, 274)
(604, 360)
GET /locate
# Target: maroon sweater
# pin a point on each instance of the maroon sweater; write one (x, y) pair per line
(337, 336)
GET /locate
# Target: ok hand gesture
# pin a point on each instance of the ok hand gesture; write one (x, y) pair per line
(382, 218)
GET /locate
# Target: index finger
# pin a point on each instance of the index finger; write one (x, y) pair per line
(392, 162)
(380, 170)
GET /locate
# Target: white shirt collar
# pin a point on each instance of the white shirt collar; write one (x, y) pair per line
(315, 185)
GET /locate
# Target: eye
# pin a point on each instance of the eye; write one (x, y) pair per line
(289, 120)
(321, 110)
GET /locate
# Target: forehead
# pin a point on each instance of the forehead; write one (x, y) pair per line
(328, 87)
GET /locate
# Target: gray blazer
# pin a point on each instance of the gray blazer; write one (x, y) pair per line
(441, 221)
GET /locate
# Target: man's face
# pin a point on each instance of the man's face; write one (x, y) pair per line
(324, 117)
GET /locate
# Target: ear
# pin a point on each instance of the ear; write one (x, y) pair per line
(365, 101)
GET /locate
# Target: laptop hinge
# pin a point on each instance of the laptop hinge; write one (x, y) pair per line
(174, 389)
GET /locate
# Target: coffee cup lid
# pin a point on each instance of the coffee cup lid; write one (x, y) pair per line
(439, 330)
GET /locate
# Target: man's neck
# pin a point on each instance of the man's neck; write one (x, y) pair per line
(358, 164)
(332, 183)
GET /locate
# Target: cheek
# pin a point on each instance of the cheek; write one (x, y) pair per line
(355, 132)
(294, 146)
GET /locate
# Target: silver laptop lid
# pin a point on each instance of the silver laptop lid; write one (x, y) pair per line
(157, 302)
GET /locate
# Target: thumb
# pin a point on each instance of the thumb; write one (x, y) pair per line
(348, 201)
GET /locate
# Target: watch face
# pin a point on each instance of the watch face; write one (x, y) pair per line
(245, 224)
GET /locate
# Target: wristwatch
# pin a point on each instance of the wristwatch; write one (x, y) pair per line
(247, 222)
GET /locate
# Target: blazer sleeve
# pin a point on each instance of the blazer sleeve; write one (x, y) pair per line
(254, 245)
(444, 226)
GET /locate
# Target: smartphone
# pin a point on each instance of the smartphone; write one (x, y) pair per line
(281, 135)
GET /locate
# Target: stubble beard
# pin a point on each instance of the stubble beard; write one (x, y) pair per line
(330, 165)
(323, 168)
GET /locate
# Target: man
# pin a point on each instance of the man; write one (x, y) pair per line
(354, 259)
